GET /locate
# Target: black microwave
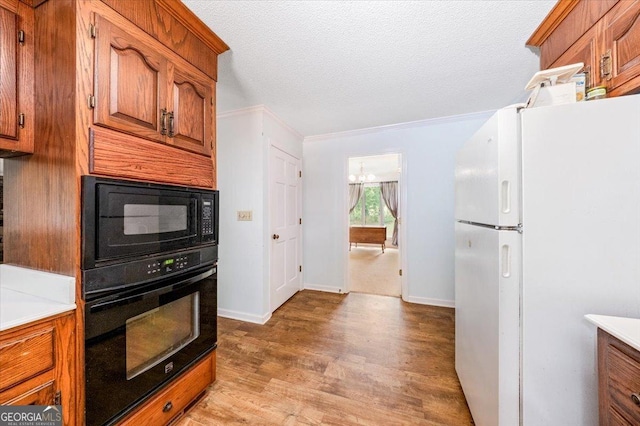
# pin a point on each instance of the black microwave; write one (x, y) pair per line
(125, 220)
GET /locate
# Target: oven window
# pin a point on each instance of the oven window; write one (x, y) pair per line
(157, 334)
(154, 218)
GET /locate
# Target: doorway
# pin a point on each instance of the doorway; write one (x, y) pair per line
(374, 222)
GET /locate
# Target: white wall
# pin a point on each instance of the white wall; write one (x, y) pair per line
(428, 151)
(243, 140)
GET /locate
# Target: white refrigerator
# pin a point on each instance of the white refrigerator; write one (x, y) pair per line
(547, 230)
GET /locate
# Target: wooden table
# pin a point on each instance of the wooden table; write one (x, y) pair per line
(368, 234)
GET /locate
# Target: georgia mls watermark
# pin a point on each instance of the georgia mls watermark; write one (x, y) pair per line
(30, 415)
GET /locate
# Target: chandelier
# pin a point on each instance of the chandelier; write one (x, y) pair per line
(362, 177)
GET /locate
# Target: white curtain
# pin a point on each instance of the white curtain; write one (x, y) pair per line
(355, 193)
(389, 192)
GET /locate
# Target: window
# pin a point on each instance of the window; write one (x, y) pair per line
(371, 210)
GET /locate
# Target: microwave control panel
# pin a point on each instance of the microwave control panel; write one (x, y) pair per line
(207, 216)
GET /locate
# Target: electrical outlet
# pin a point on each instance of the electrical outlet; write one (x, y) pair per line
(245, 215)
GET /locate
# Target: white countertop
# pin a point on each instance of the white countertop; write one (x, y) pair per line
(28, 295)
(625, 329)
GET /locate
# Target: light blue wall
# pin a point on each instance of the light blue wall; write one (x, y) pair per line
(428, 149)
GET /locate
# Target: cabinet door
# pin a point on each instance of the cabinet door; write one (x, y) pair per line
(8, 76)
(191, 125)
(130, 83)
(584, 50)
(622, 41)
(16, 81)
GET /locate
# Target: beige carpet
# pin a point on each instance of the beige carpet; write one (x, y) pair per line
(371, 271)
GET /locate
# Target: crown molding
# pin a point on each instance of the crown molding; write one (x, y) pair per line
(263, 109)
(400, 126)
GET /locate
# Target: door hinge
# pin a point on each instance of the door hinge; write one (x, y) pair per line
(21, 120)
(213, 101)
(57, 398)
(605, 65)
(300, 268)
(21, 37)
(300, 173)
(300, 221)
(91, 101)
(93, 32)
(400, 272)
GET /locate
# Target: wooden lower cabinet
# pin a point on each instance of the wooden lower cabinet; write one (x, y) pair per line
(171, 403)
(619, 381)
(37, 364)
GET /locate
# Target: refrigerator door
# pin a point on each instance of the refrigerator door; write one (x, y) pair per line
(488, 173)
(487, 288)
(581, 248)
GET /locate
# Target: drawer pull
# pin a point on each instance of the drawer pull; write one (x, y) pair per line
(636, 399)
(167, 407)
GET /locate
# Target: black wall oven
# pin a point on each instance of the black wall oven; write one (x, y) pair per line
(150, 289)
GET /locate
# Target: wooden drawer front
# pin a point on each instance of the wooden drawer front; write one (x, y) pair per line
(623, 381)
(26, 357)
(170, 402)
(42, 395)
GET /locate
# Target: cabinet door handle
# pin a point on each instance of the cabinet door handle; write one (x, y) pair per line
(605, 65)
(635, 397)
(171, 125)
(167, 407)
(163, 121)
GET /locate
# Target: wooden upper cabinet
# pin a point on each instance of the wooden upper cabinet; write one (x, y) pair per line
(585, 50)
(192, 111)
(604, 34)
(130, 83)
(9, 74)
(622, 40)
(143, 92)
(16, 83)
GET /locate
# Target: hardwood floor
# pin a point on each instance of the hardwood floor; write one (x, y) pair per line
(332, 359)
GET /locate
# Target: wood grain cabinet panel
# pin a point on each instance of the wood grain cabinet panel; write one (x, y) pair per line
(585, 50)
(130, 83)
(37, 364)
(170, 403)
(622, 40)
(619, 381)
(605, 35)
(16, 85)
(141, 92)
(192, 111)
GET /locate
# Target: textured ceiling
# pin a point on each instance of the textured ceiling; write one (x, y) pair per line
(330, 66)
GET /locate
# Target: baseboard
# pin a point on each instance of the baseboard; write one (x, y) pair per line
(429, 301)
(243, 316)
(326, 288)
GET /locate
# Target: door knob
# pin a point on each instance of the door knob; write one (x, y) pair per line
(275, 236)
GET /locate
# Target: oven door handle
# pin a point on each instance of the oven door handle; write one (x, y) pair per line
(115, 302)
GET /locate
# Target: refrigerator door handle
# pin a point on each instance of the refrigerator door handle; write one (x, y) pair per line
(506, 261)
(506, 196)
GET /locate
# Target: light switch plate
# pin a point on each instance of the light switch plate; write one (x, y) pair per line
(245, 215)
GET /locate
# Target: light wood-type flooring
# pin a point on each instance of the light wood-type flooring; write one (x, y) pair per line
(333, 359)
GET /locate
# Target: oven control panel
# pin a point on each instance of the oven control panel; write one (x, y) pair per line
(121, 275)
(169, 265)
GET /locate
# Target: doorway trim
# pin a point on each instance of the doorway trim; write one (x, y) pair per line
(402, 223)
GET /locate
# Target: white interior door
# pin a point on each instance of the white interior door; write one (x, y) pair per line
(286, 209)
